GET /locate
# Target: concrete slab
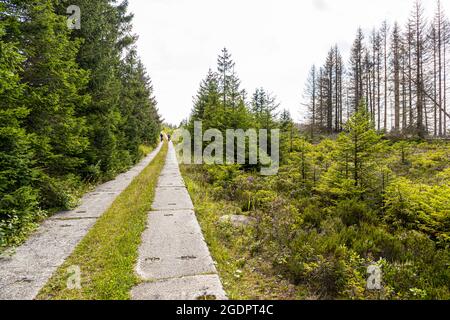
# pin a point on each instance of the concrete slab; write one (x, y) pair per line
(174, 247)
(170, 171)
(167, 181)
(25, 272)
(92, 206)
(172, 198)
(200, 287)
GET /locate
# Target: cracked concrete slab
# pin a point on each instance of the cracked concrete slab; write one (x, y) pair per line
(172, 198)
(200, 287)
(27, 268)
(174, 247)
(167, 181)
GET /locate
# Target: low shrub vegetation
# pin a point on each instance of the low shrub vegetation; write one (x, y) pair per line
(337, 207)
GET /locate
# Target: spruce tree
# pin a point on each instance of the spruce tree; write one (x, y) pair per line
(264, 108)
(105, 30)
(353, 174)
(18, 198)
(54, 96)
(140, 121)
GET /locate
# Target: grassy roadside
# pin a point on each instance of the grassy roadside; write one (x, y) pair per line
(108, 253)
(244, 274)
(145, 149)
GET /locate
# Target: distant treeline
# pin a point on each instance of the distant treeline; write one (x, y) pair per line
(401, 75)
(75, 105)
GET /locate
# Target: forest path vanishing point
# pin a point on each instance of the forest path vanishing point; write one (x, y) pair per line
(27, 268)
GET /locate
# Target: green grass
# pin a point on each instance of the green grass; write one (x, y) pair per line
(145, 150)
(108, 253)
(245, 275)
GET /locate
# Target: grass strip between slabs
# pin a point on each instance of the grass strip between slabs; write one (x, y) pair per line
(106, 257)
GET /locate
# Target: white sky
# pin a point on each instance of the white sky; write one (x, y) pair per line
(273, 42)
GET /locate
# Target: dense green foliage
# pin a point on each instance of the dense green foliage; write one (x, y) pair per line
(337, 205)
(75, 106)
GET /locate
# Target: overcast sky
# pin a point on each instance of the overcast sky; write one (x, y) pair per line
(273, 42)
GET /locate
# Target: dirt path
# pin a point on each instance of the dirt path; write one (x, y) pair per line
(174, 260)
(27, 269)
